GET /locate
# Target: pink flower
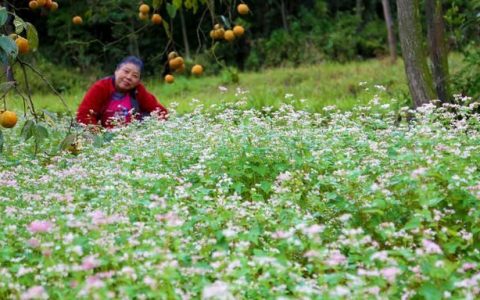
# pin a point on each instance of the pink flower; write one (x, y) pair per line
(33, 242)
(47, 252)
(468, 266)
(418, 172)
(98, 217)
(390, 273)
(336, 258)
(94, 282)
(40, 226)
(431, 247)
(90, 262)
(170, 218)
(35, 292)
(311, 253)
(280, 234)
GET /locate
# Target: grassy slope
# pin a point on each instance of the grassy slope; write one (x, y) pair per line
(320, 85)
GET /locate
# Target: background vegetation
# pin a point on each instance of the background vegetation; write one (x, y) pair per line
(297, 33)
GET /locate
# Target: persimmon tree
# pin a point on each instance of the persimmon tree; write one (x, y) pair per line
(17, 39)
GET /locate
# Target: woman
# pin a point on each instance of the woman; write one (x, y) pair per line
(117, 100)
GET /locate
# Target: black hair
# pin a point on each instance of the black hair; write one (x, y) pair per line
(132, 60)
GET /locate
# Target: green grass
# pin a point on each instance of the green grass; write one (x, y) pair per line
(319, 85)
(308, 87)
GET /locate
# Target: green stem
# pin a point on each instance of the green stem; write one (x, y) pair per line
(29, 94)
(49, 85)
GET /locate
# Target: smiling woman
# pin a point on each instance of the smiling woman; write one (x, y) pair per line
(117, 100)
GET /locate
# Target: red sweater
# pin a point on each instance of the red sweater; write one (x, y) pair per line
(98, 96)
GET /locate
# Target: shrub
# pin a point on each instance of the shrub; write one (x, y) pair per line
(62, 78)
(467, 81)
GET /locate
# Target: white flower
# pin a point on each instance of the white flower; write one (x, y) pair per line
(314, 229)
(418, 172)
(217, 290)
(229, 232)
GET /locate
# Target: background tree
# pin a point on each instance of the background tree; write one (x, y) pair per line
(392, 41)
(414, 53)
(438, 48)
(318, 30)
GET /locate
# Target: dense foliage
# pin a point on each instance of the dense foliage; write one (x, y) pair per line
(249, 204)
(312, 30)
(277, 33)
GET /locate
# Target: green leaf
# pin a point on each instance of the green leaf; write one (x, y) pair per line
(430, 291)
(379, 203)
(413, 223)
(257, 197)
(167, 29)
(451, 247)
(32, 36)
(8, 46)
(177, 3)
(40, 133)
(171, 10)
(432, 201)
(108, 136)
(266, 186)
(373, 211)
(49, 117)
(28, 130)
(3, 16)
(98, 141)
(19, 24)
(260, 170)
(225, 21)
(193, 4)
(157, 3)
(68, 141)
(1, 141)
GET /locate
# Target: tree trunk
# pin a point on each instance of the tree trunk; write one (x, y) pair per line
(392, 43)
(184, 35)
(359, 9)
(284, 15)
(133, 41)
(413, 52)
(438, 49)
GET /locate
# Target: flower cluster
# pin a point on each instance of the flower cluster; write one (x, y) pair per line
(250, 204)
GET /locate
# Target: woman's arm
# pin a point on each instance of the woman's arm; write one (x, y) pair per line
(148, 103)
(93, 102)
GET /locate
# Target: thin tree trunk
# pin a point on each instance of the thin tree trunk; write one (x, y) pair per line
(184, 35)
(413, 52)
(392, 43)
(212, 11)
(284, 15)
(359, 9)
(133, 41)
(438, 49)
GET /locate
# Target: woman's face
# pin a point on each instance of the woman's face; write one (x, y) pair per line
(127, 77)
